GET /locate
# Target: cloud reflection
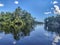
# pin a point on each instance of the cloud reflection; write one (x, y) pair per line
(56, 40)
(14, 42)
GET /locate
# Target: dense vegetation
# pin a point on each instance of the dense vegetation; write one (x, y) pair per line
(18, 23)
(18, 18)
(52, 24)
(53, 21)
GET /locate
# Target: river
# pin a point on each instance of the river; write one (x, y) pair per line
(38, 36)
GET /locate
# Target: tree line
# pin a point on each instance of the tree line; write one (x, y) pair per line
(17, 17)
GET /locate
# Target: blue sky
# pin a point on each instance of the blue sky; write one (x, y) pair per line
(38, 8)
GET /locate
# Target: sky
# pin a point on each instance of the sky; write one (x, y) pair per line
(40, 9)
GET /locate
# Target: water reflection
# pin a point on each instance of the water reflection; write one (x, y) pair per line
(17, 32)
(52, 29)
(57, 32)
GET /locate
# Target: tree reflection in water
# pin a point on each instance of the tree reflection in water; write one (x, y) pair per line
(17, 32)
(56, 30)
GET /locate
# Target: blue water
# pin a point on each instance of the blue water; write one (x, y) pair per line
(39, 36)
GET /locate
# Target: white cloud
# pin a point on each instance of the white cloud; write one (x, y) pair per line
(56, 10)
(56, 7)
(47, 12)
(16, 2)
(1, 5)
(55, 2)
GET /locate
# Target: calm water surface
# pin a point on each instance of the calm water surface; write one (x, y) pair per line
(39, 36)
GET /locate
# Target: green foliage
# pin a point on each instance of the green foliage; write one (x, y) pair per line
(19, 16)
(53, 21)
(16, 22)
